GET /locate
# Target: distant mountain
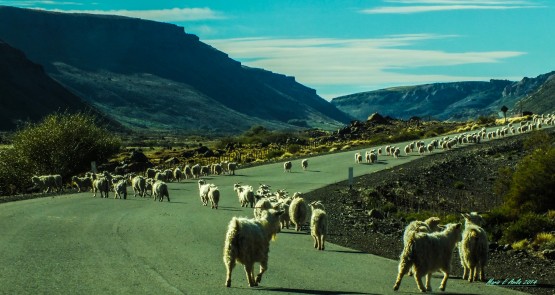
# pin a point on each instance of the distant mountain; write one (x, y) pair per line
(453, 101)
(27, 93)
(154, 76)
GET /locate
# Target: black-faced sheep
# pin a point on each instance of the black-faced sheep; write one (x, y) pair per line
(248, 242)
(427, 253)
(304, 164)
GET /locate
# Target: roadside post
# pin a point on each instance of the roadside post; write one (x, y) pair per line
(350, 178)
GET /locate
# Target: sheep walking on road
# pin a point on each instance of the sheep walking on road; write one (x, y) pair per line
(304, 164)
(287, 166)
(160, 190)
(214, 196)
(298, 212)
(427, 253)
(473, 249)
(101, 185)
(247, 242)
(120, 190)
(319, 228)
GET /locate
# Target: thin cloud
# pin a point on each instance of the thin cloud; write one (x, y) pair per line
(34, 3)
(420, 6)
(348, 63)
(163, 15)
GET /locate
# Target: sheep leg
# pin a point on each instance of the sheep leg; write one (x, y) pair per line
(428, 282)
(249, 270)
(322, 241)
(263, 268)
(315, 242)
(482, 273)
(472, 274)
(444, 281)
(404, 266)
(418, 279)
(229, 267)
(465, 272)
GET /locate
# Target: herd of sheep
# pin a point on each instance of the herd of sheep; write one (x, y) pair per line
(428, 246)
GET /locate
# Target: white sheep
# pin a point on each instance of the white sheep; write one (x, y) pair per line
(138, 183)
(245, 193)
(120, 190)
(177, 174)
(195, 170)
(187, 172)
(473, 249)
(231, 167)
(304, 164)
(427, 226)
(298, 212)
(82, 183)
(46, 183)
(214, 196)
(262, 205)
(358, 158)
(159, 190)
(287, 166)
(427, 253)
(102, 185)
(247, 242)
(205, 170)
(203, 189)
(319, 228)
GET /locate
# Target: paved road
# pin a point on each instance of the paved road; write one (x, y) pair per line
(76, 244)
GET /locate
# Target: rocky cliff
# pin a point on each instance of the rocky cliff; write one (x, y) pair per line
(154, 75)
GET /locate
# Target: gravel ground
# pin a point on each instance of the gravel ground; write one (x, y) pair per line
(456, 181)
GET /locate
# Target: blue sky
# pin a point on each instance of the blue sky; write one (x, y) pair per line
(344, 47)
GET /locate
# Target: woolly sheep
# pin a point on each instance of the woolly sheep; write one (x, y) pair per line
(473, 249)
(138, 183)
(150, 173)
(159, 190)
(245, 193)
(161, 176)
(203, 189)
(262, 205)
(205, 170)
(82, 183)
(169, 174)
(298, 212)
(217, 169)
(304, 164)
(177, 174)
(120, 190)
(287, 166)
(214, 196)
(247, 242)
(358, 158)
(195, 170)
(319, 228)
(101, 184)
(46, 183)
(231, 167)
(187, 172)
(427, 226)
(427, 253)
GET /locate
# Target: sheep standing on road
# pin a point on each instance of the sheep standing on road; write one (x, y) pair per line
(427, 253)
(298, 212)
(262, 205)
(473, 249)
(177, 174)
(203, 189)
(287, 166)
(231, 167)
(319, 228)
(101, 184)
(245, 193)
(214, 196)
(82, 183)
(358, 158)
(247, 242)
(159, 190)
(120, 190)
(138, 183)
(304, 164)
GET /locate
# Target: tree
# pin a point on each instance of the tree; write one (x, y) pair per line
(504, 109)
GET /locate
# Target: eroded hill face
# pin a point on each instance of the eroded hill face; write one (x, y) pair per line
(27, 93)
(153, 75)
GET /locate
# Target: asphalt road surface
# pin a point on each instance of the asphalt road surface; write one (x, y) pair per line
(77, 244)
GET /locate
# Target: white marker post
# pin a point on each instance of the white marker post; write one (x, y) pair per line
(93, 167)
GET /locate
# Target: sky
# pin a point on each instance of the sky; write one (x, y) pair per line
(345, 47)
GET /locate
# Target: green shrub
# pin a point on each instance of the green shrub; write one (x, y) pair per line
(274, 154)
(533, 184)
(294, 148)
(62, 144)
(526, 227)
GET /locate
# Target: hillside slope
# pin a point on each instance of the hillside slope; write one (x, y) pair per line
(153, 75)
(452, 101)
(27, 93)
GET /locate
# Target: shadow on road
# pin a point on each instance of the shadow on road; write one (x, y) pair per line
(228, 209)
(347, 251)
(307, 291)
